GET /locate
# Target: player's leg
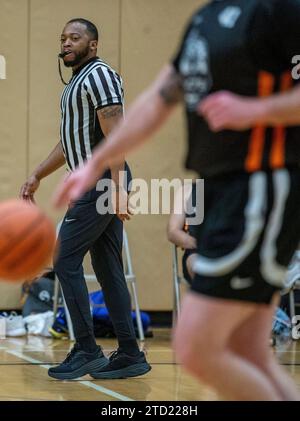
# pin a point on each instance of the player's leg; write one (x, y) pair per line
(211, 312)
(201, 344)
(279, 241)
(250, 340)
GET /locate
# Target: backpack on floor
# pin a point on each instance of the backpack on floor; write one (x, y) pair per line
(102, 324)
(38, 295)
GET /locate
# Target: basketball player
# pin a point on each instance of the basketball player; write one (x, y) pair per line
(91, 106)
(233, 73)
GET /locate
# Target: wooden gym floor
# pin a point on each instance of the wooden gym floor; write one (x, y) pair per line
(24, 362)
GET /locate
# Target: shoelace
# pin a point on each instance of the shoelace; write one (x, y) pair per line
(70, 355)
(114, 354)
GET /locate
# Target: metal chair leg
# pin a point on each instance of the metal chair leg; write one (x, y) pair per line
(57, 288)
(55, 296)
(130, 277)
(176, 285)
(292, 303)
(69, 321)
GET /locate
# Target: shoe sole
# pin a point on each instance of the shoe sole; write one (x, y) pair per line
(82, 371)
(131, 371)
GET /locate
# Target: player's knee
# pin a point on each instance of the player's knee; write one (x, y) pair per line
(184, 354)
(194, 361)
(196, 354)
(253, 353)
(189, 350)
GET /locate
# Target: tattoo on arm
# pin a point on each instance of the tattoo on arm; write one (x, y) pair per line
(111, 111)
(172, 90)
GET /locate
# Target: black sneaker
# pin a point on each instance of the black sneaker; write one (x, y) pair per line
(79, 363)
(122, 365)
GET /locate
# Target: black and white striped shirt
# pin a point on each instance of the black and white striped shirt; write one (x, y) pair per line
(93, 86)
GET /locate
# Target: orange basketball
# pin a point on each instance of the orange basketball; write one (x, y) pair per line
(27, 240)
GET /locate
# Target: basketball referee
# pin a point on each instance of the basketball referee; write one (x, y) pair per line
(91, 105)
(233, 73)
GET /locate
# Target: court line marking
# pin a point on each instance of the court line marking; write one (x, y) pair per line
(290, 364)
(89, 384)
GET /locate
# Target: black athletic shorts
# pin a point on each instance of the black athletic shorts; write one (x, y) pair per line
(250, 231)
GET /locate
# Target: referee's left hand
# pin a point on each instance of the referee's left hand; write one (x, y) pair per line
(29, 188)
(121, 204)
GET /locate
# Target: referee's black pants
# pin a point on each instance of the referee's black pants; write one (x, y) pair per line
(83, 230)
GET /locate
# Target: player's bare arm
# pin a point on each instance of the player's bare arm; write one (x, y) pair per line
(171, 90)
(282, 108)
(155, 104)
(225, 110)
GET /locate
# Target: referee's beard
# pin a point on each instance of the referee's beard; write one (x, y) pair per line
(79, 57)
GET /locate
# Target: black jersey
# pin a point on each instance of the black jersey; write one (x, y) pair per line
(246, 47)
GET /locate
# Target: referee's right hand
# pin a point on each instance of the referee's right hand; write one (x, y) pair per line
(29, 188)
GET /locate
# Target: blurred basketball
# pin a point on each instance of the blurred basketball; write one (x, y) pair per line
(27, 240)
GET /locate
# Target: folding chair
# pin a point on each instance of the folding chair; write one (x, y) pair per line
(292, 303)
(292, 282)
(129, 276)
